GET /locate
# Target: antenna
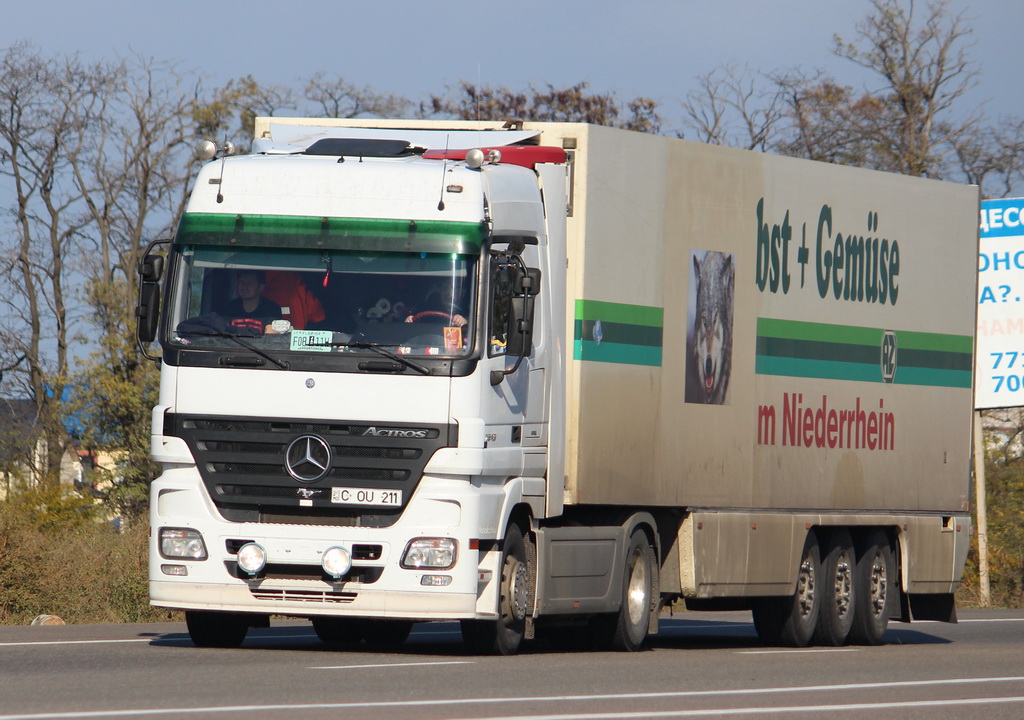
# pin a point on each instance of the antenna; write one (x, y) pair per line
(229, 149)
(444, 169)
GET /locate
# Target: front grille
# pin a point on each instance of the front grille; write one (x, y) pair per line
(317, 596)
(242, 463)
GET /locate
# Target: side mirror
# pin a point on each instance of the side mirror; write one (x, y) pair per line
(520, 327)
(151, 268)
(520, 321)
(520, 330)
(147, 309)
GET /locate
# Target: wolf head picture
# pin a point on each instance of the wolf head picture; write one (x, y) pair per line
(709, 339)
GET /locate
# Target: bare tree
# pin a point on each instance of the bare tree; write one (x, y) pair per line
(993, 157)
(925, 71)
(38, 123)
(732, 108)
(231, 111)
(568, 104)
(826, 121)
(133, 177)
(335, 97)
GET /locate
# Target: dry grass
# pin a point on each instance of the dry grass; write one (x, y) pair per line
(58, 558)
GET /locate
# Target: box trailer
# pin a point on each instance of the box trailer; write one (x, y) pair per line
(539, 376)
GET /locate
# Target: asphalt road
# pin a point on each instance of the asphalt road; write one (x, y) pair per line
(699, 665)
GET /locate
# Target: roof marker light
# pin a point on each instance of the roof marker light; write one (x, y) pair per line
(475, 158)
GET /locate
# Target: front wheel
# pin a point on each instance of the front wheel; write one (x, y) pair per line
(504, 635)
(216, 629)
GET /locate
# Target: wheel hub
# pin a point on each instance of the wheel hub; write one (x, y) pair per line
(518, 590)
(844, 585)
(636, 593)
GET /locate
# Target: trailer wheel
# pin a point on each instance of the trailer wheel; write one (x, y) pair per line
(837, 590)
(875, 588)
(216, 629)
(384, 633)
(338, 631)
(504, 635)
(792, 620)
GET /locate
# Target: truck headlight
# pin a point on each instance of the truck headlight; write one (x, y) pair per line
(182, 543)
(434, 553)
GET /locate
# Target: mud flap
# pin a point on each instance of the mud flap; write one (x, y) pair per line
(940, 607)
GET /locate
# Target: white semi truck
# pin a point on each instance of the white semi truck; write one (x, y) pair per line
(545, 378)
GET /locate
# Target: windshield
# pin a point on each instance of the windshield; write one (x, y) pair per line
(292, 300)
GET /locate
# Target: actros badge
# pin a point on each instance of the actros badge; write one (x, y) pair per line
(308, 458)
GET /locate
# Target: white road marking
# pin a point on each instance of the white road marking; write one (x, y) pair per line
(797, 651)
(424, 702)
(389, 665)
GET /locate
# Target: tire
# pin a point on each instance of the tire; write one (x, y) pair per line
(338, 631)
(386, 633)
(504, 635)
(216, 629)
(633, 619)
(792, 620)
(875, 587)
(837, 590)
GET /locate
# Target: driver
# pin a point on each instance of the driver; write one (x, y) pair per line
(441, 301)
(250, 309)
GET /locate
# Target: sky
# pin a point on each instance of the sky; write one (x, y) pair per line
(654, 48)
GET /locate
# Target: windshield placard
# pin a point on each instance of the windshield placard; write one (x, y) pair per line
(311, 340)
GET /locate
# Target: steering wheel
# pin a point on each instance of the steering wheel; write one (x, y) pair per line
(433, 313)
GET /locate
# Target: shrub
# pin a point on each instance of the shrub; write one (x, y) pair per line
(58, 556)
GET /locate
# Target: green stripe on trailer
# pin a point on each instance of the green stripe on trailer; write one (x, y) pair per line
(618, 333)
(844, 352)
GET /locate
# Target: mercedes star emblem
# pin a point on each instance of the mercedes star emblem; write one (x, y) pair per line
(308, 458)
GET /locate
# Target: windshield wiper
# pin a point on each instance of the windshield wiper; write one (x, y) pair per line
(208, 327)
(380, 350)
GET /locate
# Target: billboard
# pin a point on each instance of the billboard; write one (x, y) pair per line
(999, 366)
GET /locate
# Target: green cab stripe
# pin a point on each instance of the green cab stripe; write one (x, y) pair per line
(366, 234)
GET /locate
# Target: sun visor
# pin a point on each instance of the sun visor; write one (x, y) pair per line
(285, 138)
